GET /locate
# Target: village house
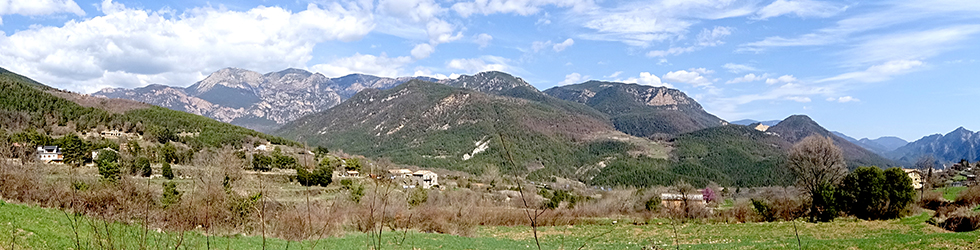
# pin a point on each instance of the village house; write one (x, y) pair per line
(409, 179)
(676, 201)
(916, 177)
(426, 178)
(49, 154)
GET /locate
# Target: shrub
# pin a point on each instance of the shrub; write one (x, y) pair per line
(143, 165)
(108, 163)
(167, 172)
(956, 218)
(170, 194)
(303, 176)
(322, 176)
(870, 193)
(762, 208)
(969, 197)
(417, 196)
(653, 204)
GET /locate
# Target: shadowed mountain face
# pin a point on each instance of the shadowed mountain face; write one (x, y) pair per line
(258, 101)
(795, 128)
(951, 147)
(640, 110)
(435, 125)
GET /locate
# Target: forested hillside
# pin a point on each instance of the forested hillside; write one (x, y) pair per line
(434, 125)
(26, 105)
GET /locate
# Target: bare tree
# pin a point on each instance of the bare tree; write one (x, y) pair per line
(818, 164)
(925, 164)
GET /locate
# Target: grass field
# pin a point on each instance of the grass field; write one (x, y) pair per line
(27, 227)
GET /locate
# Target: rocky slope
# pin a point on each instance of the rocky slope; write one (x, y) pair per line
(258, 101)
(640, 110)
(951, 147)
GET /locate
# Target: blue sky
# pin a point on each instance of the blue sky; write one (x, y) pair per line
(865, 68)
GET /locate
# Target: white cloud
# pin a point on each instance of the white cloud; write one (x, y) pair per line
(422, 51)
(641, 23)
(572, 78)
(910, 46)
(476, 65)
(892, 14)
(738, 68)
(520, 7)
(614, 74)
(366, 64)
(781, 79)
(483, 40)
(539, 45)
(707, 38)
(711, 38)
(442, 32)
(802, 99)
(801, 8)
(38, 7)
(673, 51)
(646, 78)
(879, 72)
(421, 71)
(747, 78)
(563, 45)
(692, 77)
(843, 99)
(162, 47)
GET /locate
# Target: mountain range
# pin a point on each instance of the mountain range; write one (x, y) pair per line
(438, 125)
(262, 102)
(951, 147)
(451, 123)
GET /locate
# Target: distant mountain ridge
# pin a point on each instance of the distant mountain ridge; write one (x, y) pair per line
(746, 122)
(258, 101)
(796, 127)
(951, 147)
(640, 110)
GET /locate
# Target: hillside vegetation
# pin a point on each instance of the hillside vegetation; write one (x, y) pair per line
(434, 125)
(25, 105)
(731, 155)
(640, 110)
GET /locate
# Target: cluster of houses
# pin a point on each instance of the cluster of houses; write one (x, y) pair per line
(408, 179)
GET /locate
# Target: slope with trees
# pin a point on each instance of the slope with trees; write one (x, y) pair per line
(640, 110)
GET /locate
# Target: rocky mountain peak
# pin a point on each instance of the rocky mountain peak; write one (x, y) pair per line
(228, 77)
(493, 82)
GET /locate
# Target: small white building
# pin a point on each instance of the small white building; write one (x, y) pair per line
(49, 154)
(426, 178)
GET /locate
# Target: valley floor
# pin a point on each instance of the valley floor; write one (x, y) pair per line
(30, 227)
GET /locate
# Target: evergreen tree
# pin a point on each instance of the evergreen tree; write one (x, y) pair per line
(167, 172)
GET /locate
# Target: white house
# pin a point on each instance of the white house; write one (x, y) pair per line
(426, 178)
(49, 154)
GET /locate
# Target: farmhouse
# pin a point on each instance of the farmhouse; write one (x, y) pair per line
(49, 154)
(426, 178)
(676, 201)
(409, 179)
(916, 177)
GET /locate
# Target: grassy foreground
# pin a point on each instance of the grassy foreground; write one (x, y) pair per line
(27, 227)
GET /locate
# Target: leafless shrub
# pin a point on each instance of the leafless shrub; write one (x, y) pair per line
(741, 212)
(933, 200)
(956, 218)
(969, 197)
